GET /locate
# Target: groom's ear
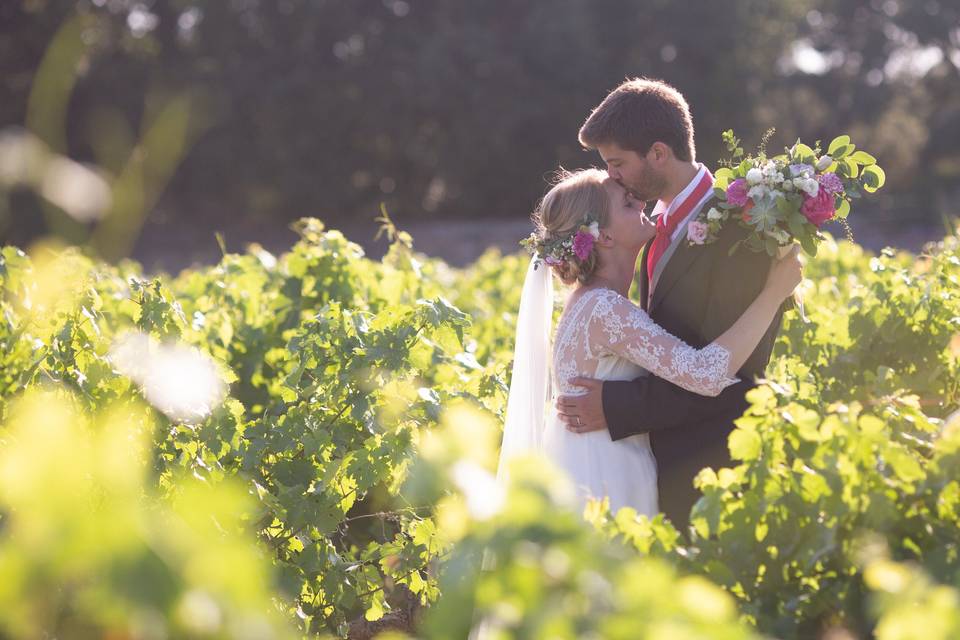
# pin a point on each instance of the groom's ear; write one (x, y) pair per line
(659, 152)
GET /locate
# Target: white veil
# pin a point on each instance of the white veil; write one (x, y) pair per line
(530, 384)
(529, 387)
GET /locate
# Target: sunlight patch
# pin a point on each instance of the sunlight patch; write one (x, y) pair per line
(181, 381)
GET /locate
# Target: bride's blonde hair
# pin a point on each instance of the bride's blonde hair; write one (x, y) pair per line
(574, 196)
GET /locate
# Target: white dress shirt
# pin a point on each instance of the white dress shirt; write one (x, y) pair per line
(663, 209)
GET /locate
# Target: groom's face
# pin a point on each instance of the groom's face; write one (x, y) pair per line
(633, 171)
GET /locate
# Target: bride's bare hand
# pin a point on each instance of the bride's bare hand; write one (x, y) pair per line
(785, 274)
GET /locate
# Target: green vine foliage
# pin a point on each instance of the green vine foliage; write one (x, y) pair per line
(335, 363)
(350, 483)
(844, 450)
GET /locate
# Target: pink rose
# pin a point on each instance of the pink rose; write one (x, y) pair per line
(697, 232)
(831, 182)
(583, 244)
(819, 208)
(737, 192)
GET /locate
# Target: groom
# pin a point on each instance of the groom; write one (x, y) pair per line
(644, 133)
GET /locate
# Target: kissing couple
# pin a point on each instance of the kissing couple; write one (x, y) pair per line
(632, 399)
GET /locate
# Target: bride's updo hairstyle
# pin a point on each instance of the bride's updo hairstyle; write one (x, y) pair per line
(574, 196)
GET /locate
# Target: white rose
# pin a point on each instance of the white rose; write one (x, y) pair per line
(824, 162)
(802, 170)
(714, 214)
(812, 187)
(754, 176)
(757, 192)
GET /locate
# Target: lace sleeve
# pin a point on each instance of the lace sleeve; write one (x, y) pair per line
(618, 326)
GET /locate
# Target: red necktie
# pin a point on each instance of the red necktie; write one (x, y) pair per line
(665, 228)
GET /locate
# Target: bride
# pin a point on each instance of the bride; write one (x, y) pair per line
(589, 233)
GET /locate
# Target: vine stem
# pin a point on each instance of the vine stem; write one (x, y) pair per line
(406, 575)
(847, 229)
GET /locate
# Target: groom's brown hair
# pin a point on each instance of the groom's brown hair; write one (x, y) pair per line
(638, 113)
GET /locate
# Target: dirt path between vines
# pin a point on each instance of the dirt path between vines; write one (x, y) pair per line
(459, 242)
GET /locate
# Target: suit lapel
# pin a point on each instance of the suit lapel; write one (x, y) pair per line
(673, 264)
(665, 258)
(644, 279)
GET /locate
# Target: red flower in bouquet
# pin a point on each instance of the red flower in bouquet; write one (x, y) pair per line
(819, 208)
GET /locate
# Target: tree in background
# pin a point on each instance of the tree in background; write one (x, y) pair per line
(444, 109)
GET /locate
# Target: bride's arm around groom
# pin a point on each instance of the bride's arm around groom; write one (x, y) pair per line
(709, 304)
(716, 297)
(643, 131)
(688, 430)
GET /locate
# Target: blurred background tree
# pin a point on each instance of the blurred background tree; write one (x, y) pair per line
(447, 110)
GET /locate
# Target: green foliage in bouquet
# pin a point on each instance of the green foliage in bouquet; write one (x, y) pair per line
(786, 198)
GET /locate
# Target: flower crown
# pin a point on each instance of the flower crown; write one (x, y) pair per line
(576, 244)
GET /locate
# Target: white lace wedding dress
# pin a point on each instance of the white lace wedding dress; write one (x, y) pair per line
(600, 335)
(605, 336)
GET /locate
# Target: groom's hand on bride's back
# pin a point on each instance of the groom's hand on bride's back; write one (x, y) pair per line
(583, 413)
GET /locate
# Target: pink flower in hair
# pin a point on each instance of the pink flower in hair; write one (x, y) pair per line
(583, 244)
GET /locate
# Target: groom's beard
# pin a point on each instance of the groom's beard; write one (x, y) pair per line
(649, 188)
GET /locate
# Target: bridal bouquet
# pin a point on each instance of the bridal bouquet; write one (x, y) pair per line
(784, 199)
